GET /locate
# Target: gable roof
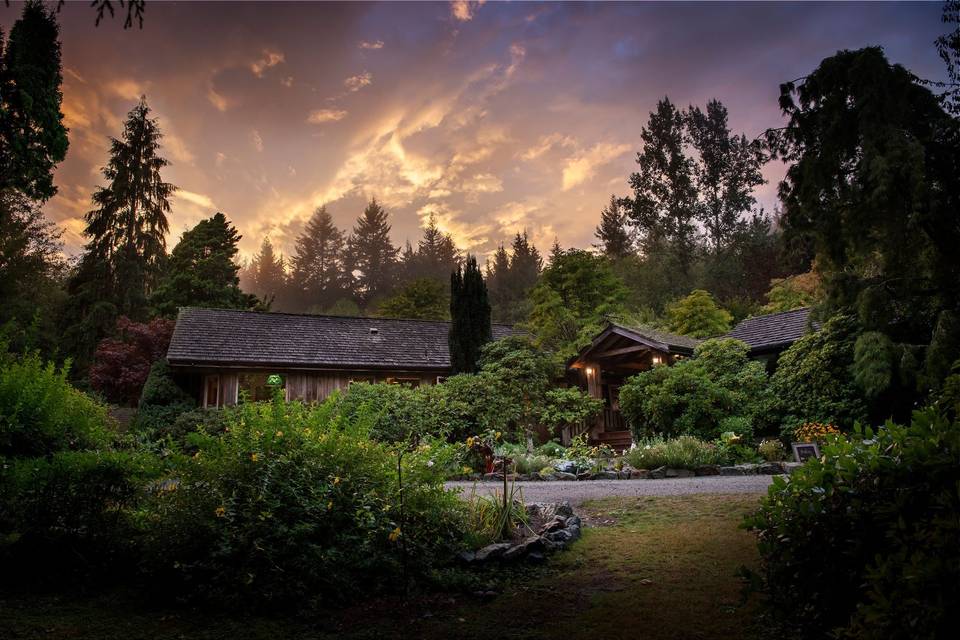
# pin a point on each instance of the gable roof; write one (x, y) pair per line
(661, 340)
(772, 331)
(221, 337)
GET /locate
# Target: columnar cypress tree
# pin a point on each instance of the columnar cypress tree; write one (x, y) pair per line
(470, 317)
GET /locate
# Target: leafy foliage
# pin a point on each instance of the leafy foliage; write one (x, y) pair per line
(698, 316)
(121, 364)
(421, 299)
(684, 452)
(700, 396)
(813, 381)
(40, 413)
(863, 542)
(295, 506)
(793, 292)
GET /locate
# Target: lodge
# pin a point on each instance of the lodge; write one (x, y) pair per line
(218, 354)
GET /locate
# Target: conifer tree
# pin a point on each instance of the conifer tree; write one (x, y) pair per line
(612, 232)
(318, 277)
(268, 274)
(202, 271)
(32, 136)
(470, 317)
(127, 229)
(373, 256)
(436, 256)
(498, 275)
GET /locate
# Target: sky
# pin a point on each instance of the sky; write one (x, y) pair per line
(492, 117)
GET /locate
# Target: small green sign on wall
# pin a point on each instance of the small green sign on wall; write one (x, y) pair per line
(274, 380)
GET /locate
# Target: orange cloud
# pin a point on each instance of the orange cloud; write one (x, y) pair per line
(320, 116)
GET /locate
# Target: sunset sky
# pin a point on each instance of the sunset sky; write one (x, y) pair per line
(494, 117)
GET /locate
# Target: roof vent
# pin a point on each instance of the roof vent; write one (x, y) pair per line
(374, 331)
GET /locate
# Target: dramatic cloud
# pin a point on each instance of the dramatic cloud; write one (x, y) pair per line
(355, 83)
(493, 119)
(319, 116)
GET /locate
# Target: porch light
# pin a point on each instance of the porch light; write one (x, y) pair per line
(656, 360)
(589, 371)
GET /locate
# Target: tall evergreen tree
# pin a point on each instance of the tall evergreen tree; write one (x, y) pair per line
(202, 270)
(32, 136)
(470, 317)
(663, 206)
(498, 278)
(436, 255)
(268, 275)
(318, 276)
(127, 229)
(373, 256)
(525, 266)
(726, 171)
(612, 232)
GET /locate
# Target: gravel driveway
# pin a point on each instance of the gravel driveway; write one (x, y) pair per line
(578, 492)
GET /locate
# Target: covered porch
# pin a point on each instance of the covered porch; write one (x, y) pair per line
(603, 366)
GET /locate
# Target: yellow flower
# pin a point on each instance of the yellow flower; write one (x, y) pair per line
(467, 469)
(254, 456)
(470, 441)
(220, 511)
(395, 534)
(336, 481)
(497, 435)
(330, 505)
(279, 434)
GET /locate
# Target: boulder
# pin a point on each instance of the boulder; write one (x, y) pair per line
(551, 476)
(563, 475)
(659, 472)
(536, 558)
(770, 468)
(586, 475)
(566, 467)
(492, 551)
(606, 475)
(790, 467)
(466, 557)
(639, 474)
(572, 521)
(707, 470)
(563, 509)
(731, 471)
(561, 536)
(748, 469)
(678, 473)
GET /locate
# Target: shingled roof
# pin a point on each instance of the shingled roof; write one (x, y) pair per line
(220, 337)
(662, 340)
(772, 331)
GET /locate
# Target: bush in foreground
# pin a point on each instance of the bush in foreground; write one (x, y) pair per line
(293, 506)
(685, 452)
(863, 542)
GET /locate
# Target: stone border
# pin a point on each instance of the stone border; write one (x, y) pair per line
(560, 529)
(764, 468)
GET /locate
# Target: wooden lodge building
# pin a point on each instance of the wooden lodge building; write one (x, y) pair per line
(216, 354)
(620, 351)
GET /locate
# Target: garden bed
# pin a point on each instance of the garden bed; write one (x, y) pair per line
(763, 468)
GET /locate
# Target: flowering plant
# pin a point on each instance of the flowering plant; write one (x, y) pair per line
(814, 431)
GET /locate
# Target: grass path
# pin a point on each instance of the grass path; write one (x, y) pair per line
(647, 567)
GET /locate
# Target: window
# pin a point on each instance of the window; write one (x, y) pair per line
(211, 391)
(254, 386)
(441, 379)
(410, 382)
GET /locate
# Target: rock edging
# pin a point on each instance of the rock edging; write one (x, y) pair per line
(763, 468)
(560, 529)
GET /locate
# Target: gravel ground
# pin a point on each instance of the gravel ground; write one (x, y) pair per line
(578, 492)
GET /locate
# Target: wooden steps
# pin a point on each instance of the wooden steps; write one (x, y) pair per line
(616, 440)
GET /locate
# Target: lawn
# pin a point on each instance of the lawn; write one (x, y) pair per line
(651, 567)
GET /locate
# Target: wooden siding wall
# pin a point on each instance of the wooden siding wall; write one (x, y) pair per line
(314, 387)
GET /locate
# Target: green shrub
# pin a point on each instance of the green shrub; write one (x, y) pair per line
(863, 542)
(813, 381)
(40, 413)
(685, 452)
(161, 403)
(72, 514)
(552, 449)
(695, 397)
(772, 450)
(531, 463)
(294, 505)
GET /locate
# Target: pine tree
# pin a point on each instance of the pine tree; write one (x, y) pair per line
(612, 232)
(268, 275)
(525, 266)
(436, 256)
(556, 252)
(498, 275)
(663, 207)
(317, 275)
(373, 255)
(202, 271)
(127, 229)
(470, 317)
(32, 136)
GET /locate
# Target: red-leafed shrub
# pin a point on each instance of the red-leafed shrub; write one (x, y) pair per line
(122, 363)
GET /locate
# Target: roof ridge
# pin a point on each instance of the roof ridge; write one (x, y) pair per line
(323, 315)
(776, 313)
